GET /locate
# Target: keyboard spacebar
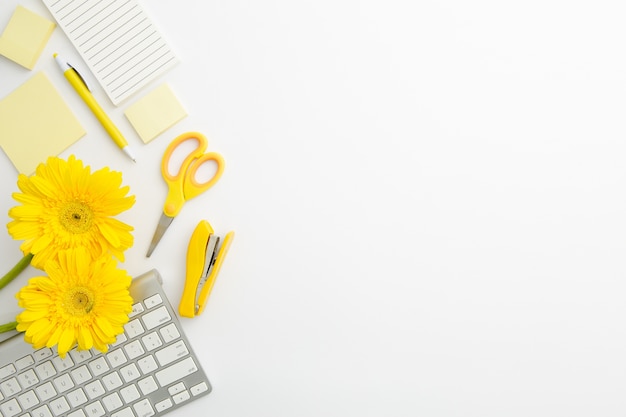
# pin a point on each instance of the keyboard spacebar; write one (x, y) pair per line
(177, 371)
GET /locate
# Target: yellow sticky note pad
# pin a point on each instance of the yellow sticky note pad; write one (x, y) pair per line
(25, 37)
(155, 113)
(35, 123)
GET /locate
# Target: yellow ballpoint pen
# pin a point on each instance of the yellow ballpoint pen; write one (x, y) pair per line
(79, 85)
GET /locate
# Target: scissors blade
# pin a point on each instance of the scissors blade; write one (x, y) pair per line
(164, 223)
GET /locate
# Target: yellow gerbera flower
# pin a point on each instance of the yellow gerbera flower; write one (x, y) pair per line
(65, 206)
(81, 301)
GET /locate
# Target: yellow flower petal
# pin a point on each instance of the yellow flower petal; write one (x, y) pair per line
(64, 206)
(81, 302)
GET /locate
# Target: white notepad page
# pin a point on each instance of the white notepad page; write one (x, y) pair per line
(120, 44)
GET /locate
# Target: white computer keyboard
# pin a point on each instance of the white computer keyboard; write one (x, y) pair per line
(150, 370)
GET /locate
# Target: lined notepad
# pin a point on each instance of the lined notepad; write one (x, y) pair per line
(117, 40)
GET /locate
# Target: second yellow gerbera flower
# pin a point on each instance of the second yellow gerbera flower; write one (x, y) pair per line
(81, 302)
(65, 206)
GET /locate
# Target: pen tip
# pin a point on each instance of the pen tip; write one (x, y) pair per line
(54, 55)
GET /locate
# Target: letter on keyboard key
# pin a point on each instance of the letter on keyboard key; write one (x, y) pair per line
(156, 318)
(46, 391)
(177, 371)
(59, 406)
(10, 408)
(95, 409)
(28, 399)
(98, 366)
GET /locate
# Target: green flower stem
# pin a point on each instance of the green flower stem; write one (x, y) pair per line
(15, 271)
(7, 327)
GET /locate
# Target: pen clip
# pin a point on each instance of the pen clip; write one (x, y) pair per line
(79, 75)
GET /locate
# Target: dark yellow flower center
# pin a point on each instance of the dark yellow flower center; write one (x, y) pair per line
(76, 217)
(78, 301)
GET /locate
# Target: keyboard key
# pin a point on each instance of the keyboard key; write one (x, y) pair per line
(27, 379)
(116, 357)
(45, 370)
(125, 412)
(7, 370)
(77, 413)
(156, 318)
(133, 328)
(134, 349)
(64, 382)
(169, 333)
(163, 405)
(42, 354)
(143, 408)
(199, 389)
(59, 406)
(80, 356)
(177, 371)
(46, 391)
(129, 393)
(151, 341)
(10, 387)
(24, 362)
(147, 385)
(112, 381)
(176, 388)
(77, 397)
(137, 309)
(112, 402)
(63, 364)
(119, 339)
(81, 374)
(153, 301)
(147, 364)
(130, 372)
(42, 411)
(10, 408)
(98, 366)
(181, 397)
(95, 409)
(172, 352)
(94, 389)
(28, 399)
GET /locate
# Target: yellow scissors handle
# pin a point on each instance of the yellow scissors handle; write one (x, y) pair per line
(191, 187)
(183, 186)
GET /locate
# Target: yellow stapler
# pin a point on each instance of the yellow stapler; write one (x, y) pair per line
(204, 260)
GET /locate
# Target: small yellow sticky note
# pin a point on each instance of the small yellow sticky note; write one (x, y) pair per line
(155, 113)
(25, 37)
(35, 123)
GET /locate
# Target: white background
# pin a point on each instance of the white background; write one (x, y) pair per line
(428, 199)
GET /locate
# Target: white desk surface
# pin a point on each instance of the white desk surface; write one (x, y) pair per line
(428, 198)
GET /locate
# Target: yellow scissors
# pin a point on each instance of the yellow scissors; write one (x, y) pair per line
(183, 186)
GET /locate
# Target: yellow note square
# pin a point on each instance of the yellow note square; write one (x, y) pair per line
(36, 123)
(155, 113)
(25, 37)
